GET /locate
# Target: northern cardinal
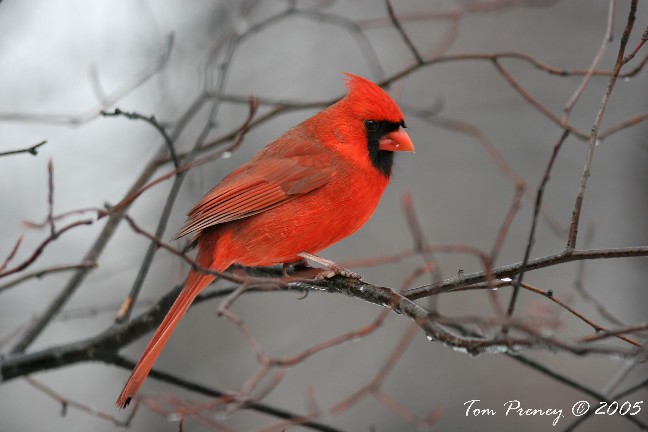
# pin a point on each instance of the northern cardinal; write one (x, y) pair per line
(311, 187)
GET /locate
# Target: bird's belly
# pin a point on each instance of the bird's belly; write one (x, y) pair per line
(310, 223)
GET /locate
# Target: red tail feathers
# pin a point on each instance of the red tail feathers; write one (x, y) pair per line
(195, 283)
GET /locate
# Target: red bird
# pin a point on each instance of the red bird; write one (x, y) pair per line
(313, 186)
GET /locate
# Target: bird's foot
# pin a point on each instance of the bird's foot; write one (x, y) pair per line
(295, 266)
(332, 269)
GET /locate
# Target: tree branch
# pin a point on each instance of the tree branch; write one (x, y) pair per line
(33, 150)
(593, 139)
(510, 271)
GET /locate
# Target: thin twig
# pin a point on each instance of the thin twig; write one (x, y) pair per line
(12, 254)
(93, 113)
(403, 33)
(208, 391)
(508, 221)
(546, 294)
(616, 397)
(535, 102)
(451, 13)
(593, 139)
(573, 384)
(493, 294)
(579, 285)
(617, 333)
(41, 247)
(641, 43)
(239, 134)
(472, 130)
(597, 328)
(49, 270)
(159, 244)
(421, 245)
(100, 243)
(33, 150)
(534, 223)
(129, 302)
(374, 387)
(353, 29)
(629, 122)
(153, 122)
(69, 403)
(597, 59)
(50, 198)
(622, 373)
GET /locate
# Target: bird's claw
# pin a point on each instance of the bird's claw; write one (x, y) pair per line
(291, 267)
(336, 270)
(332, 268)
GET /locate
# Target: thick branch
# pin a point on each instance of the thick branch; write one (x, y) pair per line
(512, 270)
(105, 346)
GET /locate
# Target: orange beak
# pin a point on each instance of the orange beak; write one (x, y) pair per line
(396, 141)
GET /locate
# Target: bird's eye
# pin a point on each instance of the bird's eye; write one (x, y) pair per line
(371, 125)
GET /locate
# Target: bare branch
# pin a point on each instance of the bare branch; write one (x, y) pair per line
(535, 102)
(207, 391)
(593, 139)
(580, 287)
(617, 333)
(239, 134)
(510, 271)
(420, 241)
(534, 222)
(401, 31)
(499, 160)
(39, 250)
(41, 273)
(641, 43)
(573, 384)
(102, 240)
(12, 254)
(153, 122)
(632, 121)
(597, 328)
(597, 59)
(33, 150)
(50, 198)
(617, 396)
(129, 302)
(85, 117)
(67, 403)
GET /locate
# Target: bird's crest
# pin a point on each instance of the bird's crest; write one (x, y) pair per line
(368, 100)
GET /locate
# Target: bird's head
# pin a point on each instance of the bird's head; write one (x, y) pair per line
(380, 120)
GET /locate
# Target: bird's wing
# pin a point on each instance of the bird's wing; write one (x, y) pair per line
(259, 186)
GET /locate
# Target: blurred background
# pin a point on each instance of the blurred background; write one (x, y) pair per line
(63, 61)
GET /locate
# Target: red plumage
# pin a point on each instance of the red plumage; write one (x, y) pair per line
(316, 184)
